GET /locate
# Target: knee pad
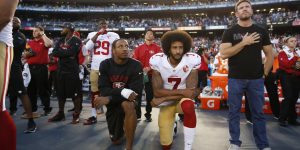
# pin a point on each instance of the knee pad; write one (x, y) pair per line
(188, 109)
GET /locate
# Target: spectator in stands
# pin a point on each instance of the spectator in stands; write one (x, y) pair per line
(242, 45)
(143, 53)
(289, 65)
(37, 59)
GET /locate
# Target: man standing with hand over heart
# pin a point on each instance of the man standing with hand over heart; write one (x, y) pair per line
(242, 45)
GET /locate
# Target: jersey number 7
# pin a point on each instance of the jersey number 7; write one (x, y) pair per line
(176, 80)
(101, 48)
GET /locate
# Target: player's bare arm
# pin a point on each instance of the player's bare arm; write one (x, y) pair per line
(94, 38)
(158, 90)
(268, 50)
(161, 95)
(191, 85)
(175, 94)
(7, 8)
(47, 42)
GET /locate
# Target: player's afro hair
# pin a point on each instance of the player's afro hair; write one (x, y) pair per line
(177, 35)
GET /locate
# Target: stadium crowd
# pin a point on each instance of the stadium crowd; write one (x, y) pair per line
(204, 20)
(82, 6)
(123, 67)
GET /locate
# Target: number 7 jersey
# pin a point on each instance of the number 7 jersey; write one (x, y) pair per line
(175, 77)
(101, 49)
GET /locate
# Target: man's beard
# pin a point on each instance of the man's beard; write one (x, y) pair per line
(176, 59)
(245, 18)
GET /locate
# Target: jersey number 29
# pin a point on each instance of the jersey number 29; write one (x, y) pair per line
(101, 48)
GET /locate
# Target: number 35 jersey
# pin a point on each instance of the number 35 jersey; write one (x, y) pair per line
(175, 77)
(101, 49)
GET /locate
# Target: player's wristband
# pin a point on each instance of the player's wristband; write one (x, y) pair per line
(126, 93)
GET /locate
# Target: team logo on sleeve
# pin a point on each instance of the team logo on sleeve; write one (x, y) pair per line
(151, 52)
(118, 85)
(64, 46)
(185, 68)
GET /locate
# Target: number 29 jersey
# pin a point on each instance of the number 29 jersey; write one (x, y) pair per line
(101, 49)
(175, 77)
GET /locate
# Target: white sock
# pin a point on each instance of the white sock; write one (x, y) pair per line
(100, 109)
(189, 134)
(94, 113)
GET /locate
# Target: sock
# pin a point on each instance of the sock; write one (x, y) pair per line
(166, 147)
(189, 134)
(94, 113)
(189, 122)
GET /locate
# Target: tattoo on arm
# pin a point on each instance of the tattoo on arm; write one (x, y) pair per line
(158, 89)
(157, 82)
(192, 79)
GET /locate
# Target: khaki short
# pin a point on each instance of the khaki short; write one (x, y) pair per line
(6, 57)
(94, 77)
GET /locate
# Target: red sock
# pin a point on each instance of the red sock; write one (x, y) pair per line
(188, 109)
(7, 132)
(166, 147)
